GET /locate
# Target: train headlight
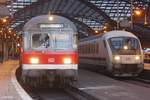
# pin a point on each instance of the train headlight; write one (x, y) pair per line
(67, 61)
(137, 57)
(117, 58)
(50, 18)
(34, 60)
(125, 47)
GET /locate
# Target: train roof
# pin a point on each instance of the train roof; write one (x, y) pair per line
(44, 19)
(111, 34)
(117, 33)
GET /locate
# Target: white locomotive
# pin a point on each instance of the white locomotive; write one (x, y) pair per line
(119, 52)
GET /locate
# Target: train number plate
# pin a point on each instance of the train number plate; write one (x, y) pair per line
(128, 59)
(51, 60)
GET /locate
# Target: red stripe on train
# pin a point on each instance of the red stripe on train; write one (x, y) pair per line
(48, 57)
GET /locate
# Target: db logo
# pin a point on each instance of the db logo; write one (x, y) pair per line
(51, 60)
(128, 59)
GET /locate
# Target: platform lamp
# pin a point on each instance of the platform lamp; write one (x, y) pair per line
(4, 20)
(138, 12)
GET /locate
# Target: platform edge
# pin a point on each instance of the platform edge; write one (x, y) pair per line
(18, 88)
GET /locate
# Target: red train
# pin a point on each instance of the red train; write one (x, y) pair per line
(49, 49)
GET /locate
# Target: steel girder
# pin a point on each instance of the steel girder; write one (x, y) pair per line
(124, 6)
(110, 7)
(92, 12)
(72, 8)
(84, 32)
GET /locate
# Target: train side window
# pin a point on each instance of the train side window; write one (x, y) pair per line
(75, 41)
(104, 43)
(83, 49)
(97, 47)
(79, 49)
(94, 47)
(88, 50)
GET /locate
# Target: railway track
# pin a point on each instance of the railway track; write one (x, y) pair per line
(72, 93)
(51, 94)
(137, 81)
(141, 81)
(46, 93)
(67, 93)
(59, 94)
(146, 81)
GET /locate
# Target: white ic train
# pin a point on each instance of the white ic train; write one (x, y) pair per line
(119, 52)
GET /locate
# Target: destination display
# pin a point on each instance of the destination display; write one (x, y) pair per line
(51, 25)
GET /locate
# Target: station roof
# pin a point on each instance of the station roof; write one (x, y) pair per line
(88, 15)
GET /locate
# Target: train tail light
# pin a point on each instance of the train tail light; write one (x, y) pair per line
(67, 60)
(34, 60)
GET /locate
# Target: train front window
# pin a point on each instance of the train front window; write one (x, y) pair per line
(124, 45)
(40, 41)
(54, 41)
(62, 41)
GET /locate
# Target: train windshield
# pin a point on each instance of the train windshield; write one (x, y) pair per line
(124, 45)
(62, 41)
(40, 41)
(53, 41)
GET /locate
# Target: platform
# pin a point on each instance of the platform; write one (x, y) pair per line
(9, 87)
(105, 88)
